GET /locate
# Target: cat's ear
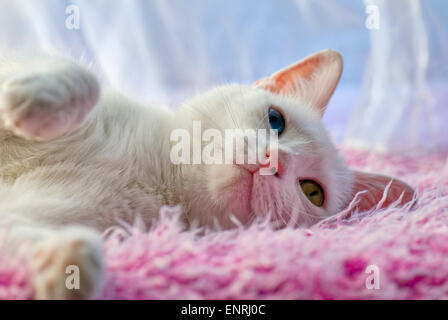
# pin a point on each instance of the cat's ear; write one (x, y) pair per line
(313, 78)
(374, 186)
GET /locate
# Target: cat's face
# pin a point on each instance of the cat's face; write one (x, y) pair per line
(311, 180)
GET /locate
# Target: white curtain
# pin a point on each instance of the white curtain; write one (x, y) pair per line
(403, 102)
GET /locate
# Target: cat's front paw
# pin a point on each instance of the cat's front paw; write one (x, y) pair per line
(68, 266)
(43, 106)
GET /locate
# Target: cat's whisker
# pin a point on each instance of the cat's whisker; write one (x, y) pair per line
(261, 121)
(217, 126)
(229, 111)
(301, 212)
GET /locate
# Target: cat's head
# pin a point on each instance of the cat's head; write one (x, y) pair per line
(311, 180)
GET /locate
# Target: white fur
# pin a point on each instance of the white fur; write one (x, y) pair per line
(72, 156)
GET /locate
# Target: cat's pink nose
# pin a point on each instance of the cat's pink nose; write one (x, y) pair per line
(271, 161)
(268, 153)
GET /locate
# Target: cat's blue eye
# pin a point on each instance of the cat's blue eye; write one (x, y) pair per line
(276, 120)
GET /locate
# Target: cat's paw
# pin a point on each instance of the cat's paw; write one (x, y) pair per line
(68, 266)
(43, 106)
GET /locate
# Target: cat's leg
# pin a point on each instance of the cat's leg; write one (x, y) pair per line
(40, 221)
(44, 101)
(66, 263)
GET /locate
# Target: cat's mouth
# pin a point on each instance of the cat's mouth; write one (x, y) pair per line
(244, 189)
(257, 199)
(261, 170)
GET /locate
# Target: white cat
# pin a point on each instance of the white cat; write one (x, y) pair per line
(74, 161)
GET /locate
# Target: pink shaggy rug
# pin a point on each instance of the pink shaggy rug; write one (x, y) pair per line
(406, 249)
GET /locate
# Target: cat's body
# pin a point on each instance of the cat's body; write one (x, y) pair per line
(74, 162)
(100, 172)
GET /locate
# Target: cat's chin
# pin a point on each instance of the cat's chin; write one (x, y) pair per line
(243, 194)
(230, 188)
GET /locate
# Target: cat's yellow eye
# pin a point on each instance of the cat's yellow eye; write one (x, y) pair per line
(313, 191)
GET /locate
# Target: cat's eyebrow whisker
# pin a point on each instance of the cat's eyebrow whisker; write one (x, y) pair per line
(217, 126)
(229, 111)
(261, 121)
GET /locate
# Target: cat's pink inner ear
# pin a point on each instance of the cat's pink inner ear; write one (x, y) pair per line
(374, 186)
(314, 78)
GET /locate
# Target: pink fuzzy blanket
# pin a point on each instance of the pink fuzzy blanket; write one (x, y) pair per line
(394, 253)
